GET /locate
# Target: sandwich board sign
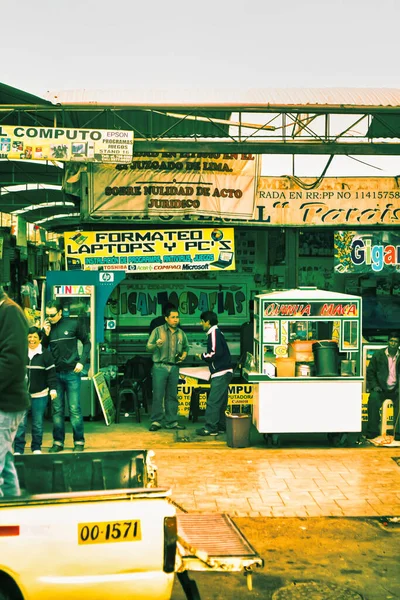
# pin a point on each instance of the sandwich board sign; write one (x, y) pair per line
(103, 394)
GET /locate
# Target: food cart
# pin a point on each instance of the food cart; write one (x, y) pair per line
(307, 363)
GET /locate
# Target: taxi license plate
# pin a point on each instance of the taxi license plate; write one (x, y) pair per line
(109, 531)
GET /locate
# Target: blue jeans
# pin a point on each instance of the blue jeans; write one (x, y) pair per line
(38, 408)
(217, 401)
(69, 387)
(165, 387)
(9, 484)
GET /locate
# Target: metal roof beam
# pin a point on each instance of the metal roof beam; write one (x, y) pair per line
(268, 147)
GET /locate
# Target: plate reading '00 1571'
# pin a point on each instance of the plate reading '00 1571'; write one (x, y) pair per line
(109, 531)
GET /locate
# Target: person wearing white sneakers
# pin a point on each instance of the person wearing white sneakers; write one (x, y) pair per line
(42, 380)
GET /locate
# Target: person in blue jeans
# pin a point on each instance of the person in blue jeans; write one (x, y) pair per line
(42, 381)
(170, 347)
(61, 336)
(218, 358)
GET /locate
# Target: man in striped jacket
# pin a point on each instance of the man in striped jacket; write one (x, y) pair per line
(218, 358)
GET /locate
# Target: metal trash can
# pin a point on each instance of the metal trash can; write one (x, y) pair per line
(238, 430)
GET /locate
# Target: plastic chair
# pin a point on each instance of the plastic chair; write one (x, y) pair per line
(387, 404)
(194, 409)
(134, 387)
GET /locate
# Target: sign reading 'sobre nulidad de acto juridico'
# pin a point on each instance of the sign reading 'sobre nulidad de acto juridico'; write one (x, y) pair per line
(57, 143)
(151, 250)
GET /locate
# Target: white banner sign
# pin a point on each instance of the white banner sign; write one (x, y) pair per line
(222, 185)
(58, 143)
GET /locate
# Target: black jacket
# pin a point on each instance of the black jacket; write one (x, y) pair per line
(63, 343)
(41, 372)
(218, 355)
(13, 350)
(378, 370)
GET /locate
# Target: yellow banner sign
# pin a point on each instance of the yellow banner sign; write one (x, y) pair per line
(240, 395)
(156, 251)
(175, 184)
(57, 143)
(336, 201)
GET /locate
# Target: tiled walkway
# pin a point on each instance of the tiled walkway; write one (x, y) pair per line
(206, 475)
(302, 483)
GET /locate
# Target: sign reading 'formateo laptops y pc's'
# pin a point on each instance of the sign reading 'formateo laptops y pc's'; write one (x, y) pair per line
(151, 250)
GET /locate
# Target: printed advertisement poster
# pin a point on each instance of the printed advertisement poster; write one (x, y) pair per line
(335, 201)
(135, 303)
(151, 251)
(56, 143)
(103, 394)
(367, 252)
(176, 184)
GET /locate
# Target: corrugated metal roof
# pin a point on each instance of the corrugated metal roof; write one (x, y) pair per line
(210, 97)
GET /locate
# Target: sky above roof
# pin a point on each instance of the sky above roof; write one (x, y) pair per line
(223, 43)
(213, 43)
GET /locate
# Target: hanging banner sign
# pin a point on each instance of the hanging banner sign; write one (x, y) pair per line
(350, 201)
(151, 251)
(175, 184)
(367, 252)
(57, 143)
(336, 201)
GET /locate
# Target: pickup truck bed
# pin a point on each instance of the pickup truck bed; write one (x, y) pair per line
(60, 535)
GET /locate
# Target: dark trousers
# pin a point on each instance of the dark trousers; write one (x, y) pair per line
(375, 402)
(217, 402)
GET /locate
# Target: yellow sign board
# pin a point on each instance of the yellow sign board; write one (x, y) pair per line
(71, 145)
(335, 201)
(239, 394)
(158, 251)
(103, 394)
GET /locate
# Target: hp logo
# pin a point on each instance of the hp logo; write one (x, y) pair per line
(106, 277)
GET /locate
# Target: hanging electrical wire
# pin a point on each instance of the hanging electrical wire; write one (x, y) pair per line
(311, 186)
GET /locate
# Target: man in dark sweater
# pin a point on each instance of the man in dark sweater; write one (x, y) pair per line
(14, 399)
(61, 336)
(383, 381)
(218, 358)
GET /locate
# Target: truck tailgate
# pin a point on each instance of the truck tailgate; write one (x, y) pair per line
(212, 542)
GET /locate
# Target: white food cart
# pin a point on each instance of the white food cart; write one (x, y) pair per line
(295, 394)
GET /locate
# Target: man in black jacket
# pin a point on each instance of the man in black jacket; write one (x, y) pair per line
(383, 382)
(14, 399)
(61, 336)
(218, 358)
